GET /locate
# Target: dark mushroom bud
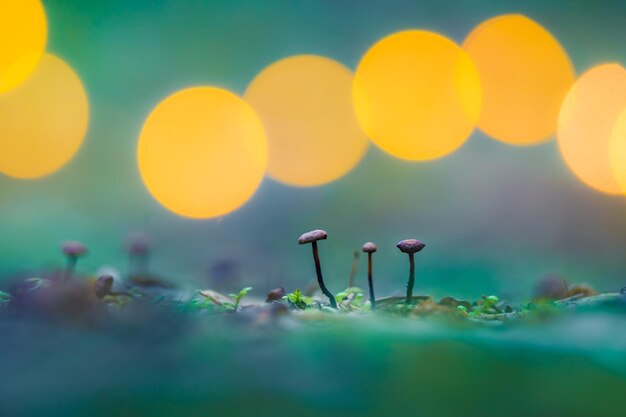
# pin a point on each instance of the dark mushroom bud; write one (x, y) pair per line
(312, 237)
(104, 286)
(410, 247)
(370, 248)
(276, 294)
(72, 251)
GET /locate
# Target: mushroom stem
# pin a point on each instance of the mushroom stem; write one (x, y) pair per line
(411, 282)
(138, 264)
(320, 279)
(370, 281)
(69, 268)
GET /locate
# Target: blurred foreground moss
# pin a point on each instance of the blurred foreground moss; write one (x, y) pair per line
(149, 359)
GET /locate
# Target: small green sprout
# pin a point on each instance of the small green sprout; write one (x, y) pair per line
(353, 296)
(297, 300)
(196, 304)
(237, 297)
(487, 305)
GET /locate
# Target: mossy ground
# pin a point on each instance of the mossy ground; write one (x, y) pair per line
(159, 355)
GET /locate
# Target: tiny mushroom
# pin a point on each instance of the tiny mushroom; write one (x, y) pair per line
(312, 237)
(138, 249)
(370, 248)
(410, 247)
(276, 294)
(72, 250)
(104, 286)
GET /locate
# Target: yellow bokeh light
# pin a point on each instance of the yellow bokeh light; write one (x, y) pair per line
(202, 152)
(43, 121)
(525, 74)
(305, 103)
(23, 31)
(617, 149)
(587, 117)
(417, 95)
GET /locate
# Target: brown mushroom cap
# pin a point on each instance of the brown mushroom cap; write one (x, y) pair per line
(103, 286)
(410, 246)
(275, 295)
(74, 248)
(369, 247)
(312, 236)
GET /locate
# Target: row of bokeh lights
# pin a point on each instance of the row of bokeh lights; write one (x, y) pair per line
(307, 120)
(44, 110)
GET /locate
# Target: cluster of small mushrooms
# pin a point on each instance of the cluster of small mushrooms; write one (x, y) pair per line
(139, 251)
(408, 246)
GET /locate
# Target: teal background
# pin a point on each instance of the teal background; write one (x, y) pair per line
(494, 217)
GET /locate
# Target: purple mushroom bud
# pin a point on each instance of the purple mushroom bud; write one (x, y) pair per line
(73, 248)
(410, 247)
(138, 244)
(312, 237)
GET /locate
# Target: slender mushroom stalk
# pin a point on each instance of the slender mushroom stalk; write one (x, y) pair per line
(312, 237)
(410, 247)
(355, 264)
(370, 248)
(72, 250)
(104, 286)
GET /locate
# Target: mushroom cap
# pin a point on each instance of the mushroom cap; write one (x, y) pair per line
(138, 244)
(103, 286)
(74, 248)
(410, 246)
(312, 236)
(369, 247)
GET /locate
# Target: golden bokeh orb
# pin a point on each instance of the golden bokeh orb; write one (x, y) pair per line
(305, 103)
(417, 95)
(588, 115)
(617, 151)
(23, 32)
(202, 152)
(43, 121)
(525, 74)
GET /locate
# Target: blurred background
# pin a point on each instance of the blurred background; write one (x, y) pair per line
(494, 217)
